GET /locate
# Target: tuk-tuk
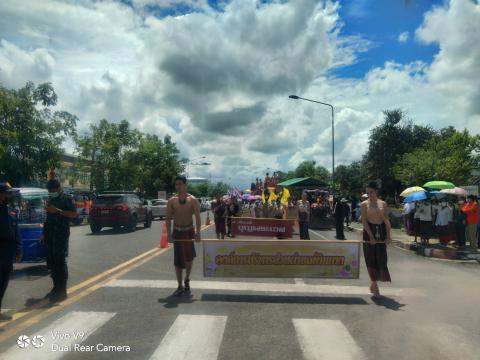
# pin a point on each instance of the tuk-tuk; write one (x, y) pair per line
(29, 206)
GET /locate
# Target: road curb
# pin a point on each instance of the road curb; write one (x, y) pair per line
(440, 254)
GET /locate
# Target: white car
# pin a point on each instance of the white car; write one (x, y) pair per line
(205, 203)
(159, 208)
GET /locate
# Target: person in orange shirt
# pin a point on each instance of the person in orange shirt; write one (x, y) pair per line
(471, 210)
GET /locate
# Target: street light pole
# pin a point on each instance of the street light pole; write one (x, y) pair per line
(295, 97)
(190, 162)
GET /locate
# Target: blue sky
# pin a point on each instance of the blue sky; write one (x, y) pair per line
(382, 22)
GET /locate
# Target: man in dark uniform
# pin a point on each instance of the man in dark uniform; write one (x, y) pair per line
(56, 232)
(339, 214)
(232, 211)
(10, 243)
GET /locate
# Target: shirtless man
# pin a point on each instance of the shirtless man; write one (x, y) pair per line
(181, 208)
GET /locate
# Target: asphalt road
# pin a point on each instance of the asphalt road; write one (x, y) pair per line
(430, 310)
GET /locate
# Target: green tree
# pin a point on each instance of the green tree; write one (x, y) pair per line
(218, 189)
(310, 169)
(122, 158)
(31, 133)
(351, 179)
(388, 142)
(209, 189)
(200, 190)
(282, 175)
(104, 149)
(155, 163)
(451, 155)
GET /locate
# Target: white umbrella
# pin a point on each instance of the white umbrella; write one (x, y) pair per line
(455, 191)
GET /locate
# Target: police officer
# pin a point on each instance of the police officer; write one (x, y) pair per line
(10, 243)
(339, 214)
(56, 232)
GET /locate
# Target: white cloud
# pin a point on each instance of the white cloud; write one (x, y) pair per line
(455, 70)
(190, 76)
(18, 65)
(403, 37)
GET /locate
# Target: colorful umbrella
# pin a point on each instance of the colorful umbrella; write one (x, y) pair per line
(439, 185)
(417, 196)
(436, 194)
(455, 191)
(411, 190)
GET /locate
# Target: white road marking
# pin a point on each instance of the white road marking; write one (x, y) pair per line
(299, 281)
(192, 337)
(266, 287)
(450, 341)
(326, 339)
(318, 234)
(67, 331)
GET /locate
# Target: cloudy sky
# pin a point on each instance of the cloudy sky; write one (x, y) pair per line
(216, 75)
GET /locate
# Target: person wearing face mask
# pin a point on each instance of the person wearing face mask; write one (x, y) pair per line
(56, 232)
(460, 219)
(443, 223)
(10, 243)
(424, 214)
(478, 224)
(470, 209)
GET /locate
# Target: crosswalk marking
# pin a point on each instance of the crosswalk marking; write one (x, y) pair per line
(266, 287)
(69, 326)
(299, 281)
(326, 339)
(200, 337)
(192, 337)
(318, 234)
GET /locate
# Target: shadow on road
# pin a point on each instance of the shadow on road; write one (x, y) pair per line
(284, 299)
(173, 301)
(27, 273)
(114, 231)
(388, 303)
(41, 303)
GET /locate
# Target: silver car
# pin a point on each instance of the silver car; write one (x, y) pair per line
(159, 208)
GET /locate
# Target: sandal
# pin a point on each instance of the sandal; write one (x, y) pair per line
(179, 292)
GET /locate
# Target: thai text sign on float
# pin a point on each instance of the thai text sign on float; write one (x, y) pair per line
(262, 227)
(283, 258)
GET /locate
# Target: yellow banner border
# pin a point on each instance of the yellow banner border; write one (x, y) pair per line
(283, 242)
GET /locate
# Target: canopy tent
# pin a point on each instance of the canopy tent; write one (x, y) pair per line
(303, 183)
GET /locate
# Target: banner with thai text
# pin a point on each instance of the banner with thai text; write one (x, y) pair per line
(284, 258)
(262, 227)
